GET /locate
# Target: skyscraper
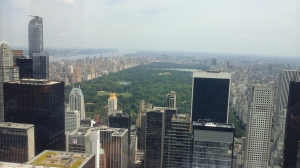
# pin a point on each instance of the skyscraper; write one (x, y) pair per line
(212, 144)
(119, 120)
(171, 100)
(35, 35)
(7, 72)
(112, 103)
(40, 65)
(38, 102)
(292, 132)
(154, 138)
(210, 96)
(76, 101)
(25, 67)
(259, 126)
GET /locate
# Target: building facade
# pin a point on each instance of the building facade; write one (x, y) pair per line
(119, 120)
(212, 144)
(25, 67)
(292, 133)
(178, 142)
(40, 65)
(112, 103)
(210, 96)
(76, 101)
(258, 131)
(38, 102)
(7, 72)
(35, 35)
(72, 120)
(16, 142)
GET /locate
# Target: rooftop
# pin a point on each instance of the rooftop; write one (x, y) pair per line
(212, 124)
(81, 131)
(15, 125)
(60, 159)
(180, 118)
(18, 165)
(120, 132)
(211, 74)
(158, 109)
(34, 81)
(119, 115)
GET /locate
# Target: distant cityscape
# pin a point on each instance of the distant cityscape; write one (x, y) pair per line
(38, 129)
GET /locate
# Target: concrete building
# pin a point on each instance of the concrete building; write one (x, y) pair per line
(39, 102)
(178, 142)
(35, 35)
(49, 158)
(258, 131)
(76, 101)
(171, 100)
(16, 142)
(72, 120)
(210, 96)
(7, 72)
(119, 120)
(213, 144)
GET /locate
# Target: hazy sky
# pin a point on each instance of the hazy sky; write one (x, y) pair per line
(269, 27)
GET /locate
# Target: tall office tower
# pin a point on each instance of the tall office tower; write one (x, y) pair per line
(77, 74)
(7, 72)
(214, 61)
(25, 67)
(35, 35)
(141, 123)
(171, 100)
(292, 132)
(278, 130)
(16, 142)
(112, 103)
(178, 142)
(115, 145)
(212, 144)
(210, 96)
(72, 120)
(38, 102)
(154, 138)
(259, 126)
(119, 120)
(40, 65)
(169, 112)
(76, 101)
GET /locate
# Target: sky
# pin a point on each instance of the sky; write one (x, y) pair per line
(253, 27)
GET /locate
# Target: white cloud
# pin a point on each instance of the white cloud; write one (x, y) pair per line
(61, 34)
(65, 1)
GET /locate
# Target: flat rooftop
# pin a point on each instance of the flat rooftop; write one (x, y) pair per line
(211, 74)
(15, 125)
(120, 132)
(158, 109)
(81, 131)
(34, 81)
(212, 124)
(60, 159)
(18, 165)
(119, 115)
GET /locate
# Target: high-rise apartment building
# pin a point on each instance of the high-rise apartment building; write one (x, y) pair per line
(76, 101)
(213, 144)
(35, 35)
(38, 102)
(77, 74)
(16, 142)
(7, 72)
(210, 96)
(25, 67)
(112, 103)
(292, 132)
(259, 126)
(72, 120)
(171, 100)
(178, 142)
(155, 132)
(40, 65)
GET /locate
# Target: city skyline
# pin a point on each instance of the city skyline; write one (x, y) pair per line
(252, 28)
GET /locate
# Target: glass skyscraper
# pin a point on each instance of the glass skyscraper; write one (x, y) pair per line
(210, 96)
(38, 102)
(35, 35)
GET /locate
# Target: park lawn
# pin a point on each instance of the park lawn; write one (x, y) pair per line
(104, 93)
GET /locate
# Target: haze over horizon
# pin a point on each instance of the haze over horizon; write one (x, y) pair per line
(241, 27)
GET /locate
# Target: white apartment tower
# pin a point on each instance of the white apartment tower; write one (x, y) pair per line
(72, 120)
(7, 72)
(76, 101)
(259, 126)
(112, 103)
(171, 100)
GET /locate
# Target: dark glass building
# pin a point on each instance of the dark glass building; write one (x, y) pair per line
(38, 102)
(154, 138)
(292, 129)
(210, 96)
(40, 65)
(25, 67)
(169, 112)
(119, 120)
